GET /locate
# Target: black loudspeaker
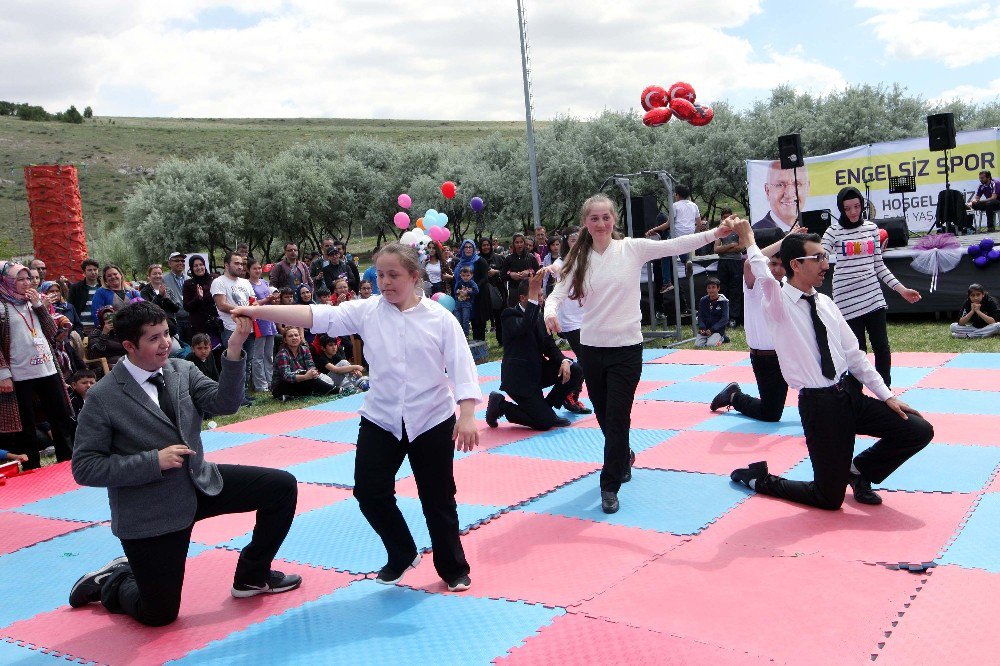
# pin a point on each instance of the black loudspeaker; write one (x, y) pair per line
(816, 221)
(896, 227)
(644, 212)
(790, 151)
(941, 131)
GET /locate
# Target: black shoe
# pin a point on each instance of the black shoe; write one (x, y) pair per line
(756, 471)
(494, 408)
(863, 493)
(276, 583)
(387, 575)
(609, 501)
(88, 588)
(460, 584)
(725, 396)
(627, 476)
(561, 422)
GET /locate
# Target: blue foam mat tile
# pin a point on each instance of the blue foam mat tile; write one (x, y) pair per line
(491, 369)
(673, 372)
(216, 440)
(946, 468)
(18, 655)
(665, 501)
(49, 569)
(348, 404)
(345, 432)
(732, 421)
(578, 444)
(744, 363)
(338, 536)
(953, 401)
(695, 391)
(977, 546)
(653, 354)
(368, 623)
(337, 470)
(486, 387)
(980, 361)
(89, 505)
(904, 378)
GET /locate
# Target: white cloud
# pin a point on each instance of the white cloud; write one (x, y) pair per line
(392, 58)
(987, 92)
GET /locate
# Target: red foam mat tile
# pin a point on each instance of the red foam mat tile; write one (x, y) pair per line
(703, 356)
(504, 433)
(498, 480)
(282, 422)
(994, 486)
(949, 622)
(207, 613)
(548, 559)
(585, 641)
(981, 430)
(962, 379)
(730, 373)
(659, 414)
(278, 452)
(38, 484)
(220, 529)
(722, 452)
(644, 386)
(907, 527)
(801, 610)
(918, 359)
(20, 530)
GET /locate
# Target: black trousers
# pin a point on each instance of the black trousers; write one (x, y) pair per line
(432, 457)
(533, 410)
(151, 591)
(730, 274)
(612, 374)
(772, 387)
(878, 333)
(314, 386)
(50, 394)
(831, 419)
(991, 206)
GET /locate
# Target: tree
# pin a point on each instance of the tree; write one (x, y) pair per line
(88, 112)
(70, 115)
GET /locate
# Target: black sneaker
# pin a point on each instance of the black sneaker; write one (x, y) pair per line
(460, 584)
(755, 472)
(494, 408)
(627, 476)
(561, 422)
(276, 583)
(387, 575)
(863, 493)
(725, 396)
(88, 588)
(609, 501)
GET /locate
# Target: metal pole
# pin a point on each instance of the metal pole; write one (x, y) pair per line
(532, 161)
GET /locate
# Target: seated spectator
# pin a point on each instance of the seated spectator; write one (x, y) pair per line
(114, 292)
(79, 383)
(61, 306)
(342, 292)
(366, 290)
(306, 298)
(102, 343)
(295, 374)
(323, 296)
(466, 292)
(202, 357)
(980, 315)
(713, 316)
(329, 358)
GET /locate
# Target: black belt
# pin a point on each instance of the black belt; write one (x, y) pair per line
(763, 352)
(839, 387)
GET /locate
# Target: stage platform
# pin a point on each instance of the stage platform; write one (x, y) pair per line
(692, 570)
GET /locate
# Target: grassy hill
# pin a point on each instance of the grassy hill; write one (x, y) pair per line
(112, 153)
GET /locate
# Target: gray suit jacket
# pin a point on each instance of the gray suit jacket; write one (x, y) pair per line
(120, 432)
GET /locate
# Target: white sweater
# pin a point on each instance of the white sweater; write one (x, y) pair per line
(859, 267)
(611, 313)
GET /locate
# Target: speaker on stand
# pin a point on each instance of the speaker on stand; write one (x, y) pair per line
(941, 137)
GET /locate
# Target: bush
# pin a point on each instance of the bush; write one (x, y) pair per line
(29, 112)
(7, 108)
(88, 112)
(70, 115)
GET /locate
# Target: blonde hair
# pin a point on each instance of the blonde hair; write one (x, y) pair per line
(575, 263)
(407, 256)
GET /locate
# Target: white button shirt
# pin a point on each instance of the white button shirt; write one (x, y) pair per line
(755, 319)
(791, 327)
(141, 378)
(419, 361)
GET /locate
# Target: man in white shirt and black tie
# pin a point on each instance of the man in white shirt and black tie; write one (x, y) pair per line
(820, 358)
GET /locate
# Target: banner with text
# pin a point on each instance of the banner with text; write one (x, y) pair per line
(773, 190)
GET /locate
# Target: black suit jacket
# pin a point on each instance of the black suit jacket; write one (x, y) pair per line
(77, 296)
(530, 355)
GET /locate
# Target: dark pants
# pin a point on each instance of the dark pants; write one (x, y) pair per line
(536, 412)
(730, 274)
(50, 392)
(612, 374)
(184, 330)
(772, 388)
(831, 419)
(991, 206)
(432, 457)
(314, 386)
(247, 349)
(151, 591)
(878, 333)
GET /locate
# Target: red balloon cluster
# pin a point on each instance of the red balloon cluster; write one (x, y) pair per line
(661, 104)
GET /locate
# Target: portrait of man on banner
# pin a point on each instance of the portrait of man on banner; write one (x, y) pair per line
(780, 190)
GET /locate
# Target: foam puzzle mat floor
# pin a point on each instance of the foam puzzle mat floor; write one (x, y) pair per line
(691, 570)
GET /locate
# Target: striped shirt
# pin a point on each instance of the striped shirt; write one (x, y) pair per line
(856, 289)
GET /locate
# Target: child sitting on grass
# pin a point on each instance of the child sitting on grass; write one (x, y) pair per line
(980, 315)
(713, 316)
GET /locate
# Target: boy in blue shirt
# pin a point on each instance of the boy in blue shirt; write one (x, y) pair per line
(713, 316)
(466, 291)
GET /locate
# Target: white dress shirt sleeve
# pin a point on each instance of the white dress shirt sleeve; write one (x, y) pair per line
(461, 369)
(338, 320)
(764, 280)
(648, 249)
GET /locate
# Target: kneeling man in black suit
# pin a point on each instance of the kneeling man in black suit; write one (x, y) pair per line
(532, 362)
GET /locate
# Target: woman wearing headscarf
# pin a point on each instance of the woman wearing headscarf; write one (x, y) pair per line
(198, 301)
(468, 256)
(28, 368)
(496, 288)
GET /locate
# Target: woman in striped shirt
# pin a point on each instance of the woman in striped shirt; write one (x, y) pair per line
(856, 290)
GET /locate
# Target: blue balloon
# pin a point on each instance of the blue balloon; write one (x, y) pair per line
(986, 244)
(442, 220)
(431, 213)
(447, 301)
(974, 250)
(981, 262)
(994, 255)
(477, 204)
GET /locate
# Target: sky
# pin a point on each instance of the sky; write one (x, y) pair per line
(460, 59)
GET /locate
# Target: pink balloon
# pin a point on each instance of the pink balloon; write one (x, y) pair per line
(401, 220)
(436, 234)
(436, 296)
(445, 235)
(404, 200)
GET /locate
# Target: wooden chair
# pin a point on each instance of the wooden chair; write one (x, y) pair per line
(99, 363)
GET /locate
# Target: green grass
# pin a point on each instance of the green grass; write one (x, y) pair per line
(102, 146)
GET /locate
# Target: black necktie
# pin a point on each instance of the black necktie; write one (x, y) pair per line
(162, 397)
(825, 359)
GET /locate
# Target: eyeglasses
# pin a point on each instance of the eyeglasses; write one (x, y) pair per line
(819, 256)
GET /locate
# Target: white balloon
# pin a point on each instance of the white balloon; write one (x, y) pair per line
(408, 238)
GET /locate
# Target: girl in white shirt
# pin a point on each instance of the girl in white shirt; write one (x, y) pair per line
(602, 272)
(420, 365)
